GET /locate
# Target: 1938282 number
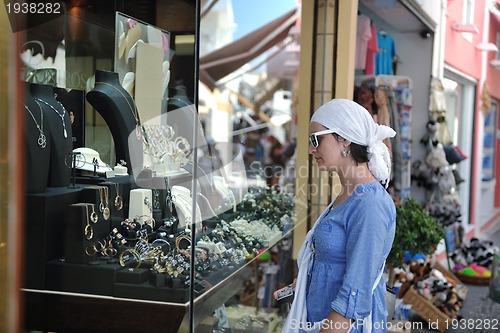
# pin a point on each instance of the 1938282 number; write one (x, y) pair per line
(33, 8)
(472, 324)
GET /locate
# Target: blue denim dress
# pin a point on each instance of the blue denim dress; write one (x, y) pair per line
(351, 244)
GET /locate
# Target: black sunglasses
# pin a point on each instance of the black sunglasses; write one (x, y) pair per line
(313, 137)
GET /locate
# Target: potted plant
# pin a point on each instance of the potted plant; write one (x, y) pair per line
(416, 232)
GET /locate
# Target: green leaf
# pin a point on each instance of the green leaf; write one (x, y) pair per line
(416, 232)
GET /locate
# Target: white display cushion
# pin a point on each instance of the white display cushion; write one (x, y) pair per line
(86, 158)
(137, 205)
(120, 170)
(183, 202)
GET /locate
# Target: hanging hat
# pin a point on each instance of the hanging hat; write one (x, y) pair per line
(354, 123)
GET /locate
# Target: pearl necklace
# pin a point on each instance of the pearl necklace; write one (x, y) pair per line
(57, 112)
(42, 139)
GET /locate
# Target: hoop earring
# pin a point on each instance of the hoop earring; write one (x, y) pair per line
(346, 153)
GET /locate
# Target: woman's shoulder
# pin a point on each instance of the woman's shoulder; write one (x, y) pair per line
(371, 195)
(374, 189)
(365, 195)
(372, 202)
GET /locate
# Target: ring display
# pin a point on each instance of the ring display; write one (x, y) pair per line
(130, 256)
(183, 242)
(168, 249)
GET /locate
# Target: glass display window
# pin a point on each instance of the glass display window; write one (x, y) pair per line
(141, 197)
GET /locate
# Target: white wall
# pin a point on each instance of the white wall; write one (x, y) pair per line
(431, 8)
(217, 27)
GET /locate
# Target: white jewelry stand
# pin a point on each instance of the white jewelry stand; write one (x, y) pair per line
(137, 206)
(183, 202)
(222, 187)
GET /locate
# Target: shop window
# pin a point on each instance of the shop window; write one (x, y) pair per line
(468, 14)
(458, 126)
(142, 197)
(490, 121)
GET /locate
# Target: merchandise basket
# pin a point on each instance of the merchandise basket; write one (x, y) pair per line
(452, 278)
(474, 280)
(426, 310)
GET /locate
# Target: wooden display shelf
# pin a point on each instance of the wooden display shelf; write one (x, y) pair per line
(55, 311)
(49, 310)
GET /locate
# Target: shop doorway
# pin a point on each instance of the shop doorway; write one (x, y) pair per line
(457, 129)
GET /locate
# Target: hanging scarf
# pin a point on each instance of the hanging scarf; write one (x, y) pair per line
(296, 320)
(354, 123)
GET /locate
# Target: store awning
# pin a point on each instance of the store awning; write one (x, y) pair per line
(222, 62)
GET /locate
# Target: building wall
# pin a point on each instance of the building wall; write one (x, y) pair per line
(462, 55)
(460, 51)
(493, 75)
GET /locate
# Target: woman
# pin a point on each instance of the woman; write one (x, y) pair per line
(340, 285)
(277, 165)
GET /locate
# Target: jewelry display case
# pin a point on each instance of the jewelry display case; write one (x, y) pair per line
(132, 232)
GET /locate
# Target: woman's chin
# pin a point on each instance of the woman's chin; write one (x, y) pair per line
(322, 167)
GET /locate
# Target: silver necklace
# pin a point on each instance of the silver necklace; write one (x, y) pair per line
(42, 139)
(60, 115)
(133, 109)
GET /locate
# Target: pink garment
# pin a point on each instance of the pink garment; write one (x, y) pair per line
(363, 35)
(372, 49)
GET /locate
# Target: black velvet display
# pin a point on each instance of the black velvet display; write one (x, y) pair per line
(133, 275)
(88, 279)
(75, 242)
(55, 257)
(147, 291)
(125, 185)
(60, 145)
(37, 159)
(91, 195)
(157, 279)
(118, 110)
(44, 237)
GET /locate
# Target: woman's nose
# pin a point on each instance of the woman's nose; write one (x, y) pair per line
(312, 150)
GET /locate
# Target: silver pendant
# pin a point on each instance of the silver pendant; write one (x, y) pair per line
(42, 140)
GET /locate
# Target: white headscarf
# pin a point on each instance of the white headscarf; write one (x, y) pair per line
(354, 123)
